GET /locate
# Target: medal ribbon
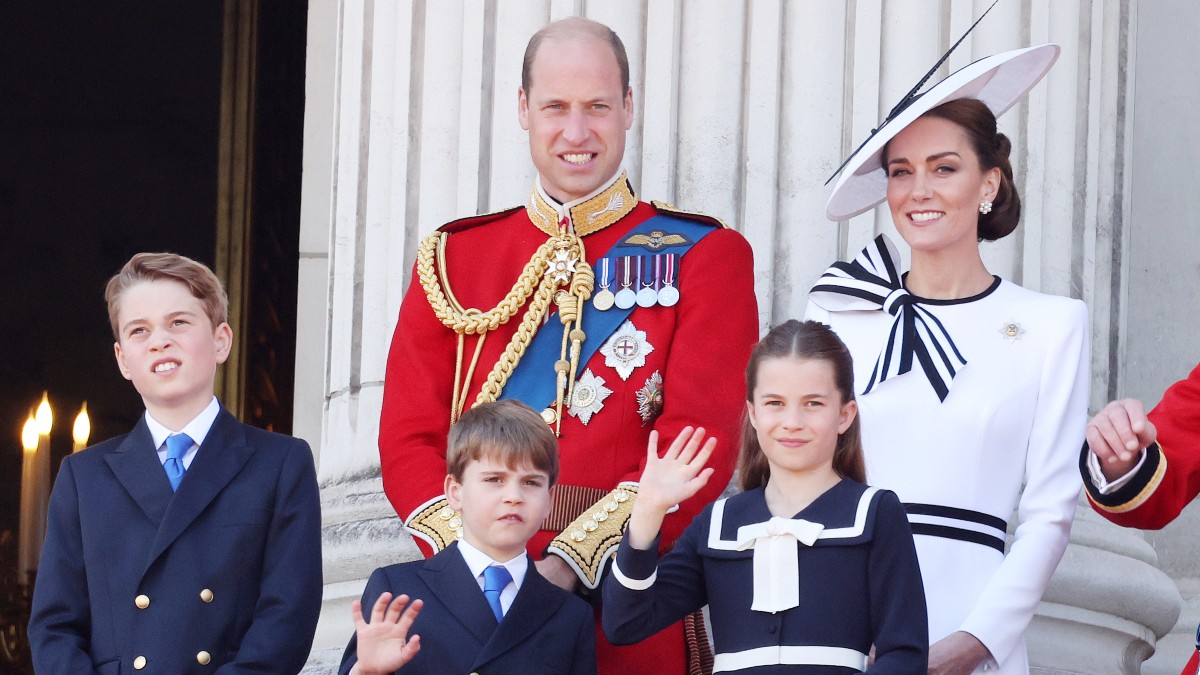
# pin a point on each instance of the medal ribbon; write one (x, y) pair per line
(670, 278)
(532, 381)
(604, 262)
(872, 282)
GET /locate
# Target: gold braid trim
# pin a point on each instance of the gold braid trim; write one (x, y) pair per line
(507, 362)
(437, 524)
(561, 261)
(605, 208)
(590, 541)
(1144, 494)
(694, 215)
(570, 305)
(461, 321)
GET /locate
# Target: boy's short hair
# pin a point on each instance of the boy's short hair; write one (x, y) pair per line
(505, 430)
(199, 279)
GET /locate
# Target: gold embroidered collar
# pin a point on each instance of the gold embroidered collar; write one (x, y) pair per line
(587, 215)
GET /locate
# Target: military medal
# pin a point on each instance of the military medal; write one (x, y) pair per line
(603, 300)
(1011, 331)
(626, 298)
(562, 266)
(626, 349)
(589, 396)
(668, 295)
(650, 398)
(646, 296)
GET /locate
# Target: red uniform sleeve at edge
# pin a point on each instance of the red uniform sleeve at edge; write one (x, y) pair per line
(705, 380)
(415, 414)
(1177, 420)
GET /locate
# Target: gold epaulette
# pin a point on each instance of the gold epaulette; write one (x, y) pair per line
(673, 210)
(437, 524)
(468, 222)
(590, 541)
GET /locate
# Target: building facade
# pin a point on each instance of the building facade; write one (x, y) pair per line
(743, 110)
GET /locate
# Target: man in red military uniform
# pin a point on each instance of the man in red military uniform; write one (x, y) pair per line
(613, 316)
(1141, 470)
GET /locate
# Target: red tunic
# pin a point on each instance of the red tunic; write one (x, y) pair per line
(1169, 478)
(700, 349)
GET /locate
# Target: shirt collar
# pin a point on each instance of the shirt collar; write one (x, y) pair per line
(197, 429)
(477, 561)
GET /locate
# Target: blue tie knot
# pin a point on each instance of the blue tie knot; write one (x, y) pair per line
(495, 580)
(177, 445)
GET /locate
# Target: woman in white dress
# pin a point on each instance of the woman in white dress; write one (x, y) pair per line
(973, 389)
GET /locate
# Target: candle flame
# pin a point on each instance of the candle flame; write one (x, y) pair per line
(82, 428)
(29, 435)
(45, 416)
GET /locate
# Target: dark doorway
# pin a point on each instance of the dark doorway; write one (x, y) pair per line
(113, 141)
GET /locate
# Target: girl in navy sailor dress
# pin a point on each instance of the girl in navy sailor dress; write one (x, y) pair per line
(808, 570)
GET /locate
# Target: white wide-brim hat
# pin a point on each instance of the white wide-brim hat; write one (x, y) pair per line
(999, 81)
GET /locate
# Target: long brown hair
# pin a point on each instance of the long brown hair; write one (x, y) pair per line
(802, 340)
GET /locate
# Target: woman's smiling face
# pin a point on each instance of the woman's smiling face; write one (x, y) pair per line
(935, 185)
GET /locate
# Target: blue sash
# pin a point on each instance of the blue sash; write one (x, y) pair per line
(533, 381)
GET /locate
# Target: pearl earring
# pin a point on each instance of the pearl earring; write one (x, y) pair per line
(985, 207)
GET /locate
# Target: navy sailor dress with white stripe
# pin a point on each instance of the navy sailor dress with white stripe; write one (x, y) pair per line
(855, 585)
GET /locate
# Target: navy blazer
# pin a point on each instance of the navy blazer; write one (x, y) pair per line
(547, 630)
(222, 576)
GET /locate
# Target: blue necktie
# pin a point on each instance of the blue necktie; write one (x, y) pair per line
(177, 444)
(495, 580)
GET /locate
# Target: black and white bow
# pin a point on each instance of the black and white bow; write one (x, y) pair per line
(872, 281)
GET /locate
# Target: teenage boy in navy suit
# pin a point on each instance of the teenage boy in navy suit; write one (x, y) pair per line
(193, 543)
(480, 605)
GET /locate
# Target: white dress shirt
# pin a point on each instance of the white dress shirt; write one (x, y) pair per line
(477, 561)
(197, 430)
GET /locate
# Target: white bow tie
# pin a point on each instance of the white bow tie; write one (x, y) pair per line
(776, 569)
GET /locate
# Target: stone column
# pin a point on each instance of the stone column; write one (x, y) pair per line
(1107, 605)
(353, 252)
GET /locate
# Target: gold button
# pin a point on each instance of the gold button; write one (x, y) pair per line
(203, 658)
(206, 595)
(578, 535)
(139, 663)
(549, 416)
(142, 601)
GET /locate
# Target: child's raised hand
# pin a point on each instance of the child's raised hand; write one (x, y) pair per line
(383, 644)
(679, 473)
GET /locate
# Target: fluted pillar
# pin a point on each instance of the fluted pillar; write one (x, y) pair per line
(1107, 605)
(353, 250)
